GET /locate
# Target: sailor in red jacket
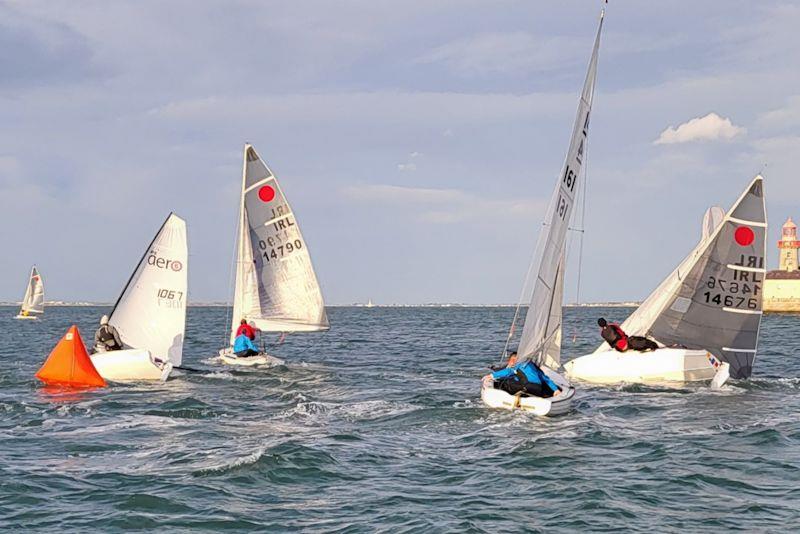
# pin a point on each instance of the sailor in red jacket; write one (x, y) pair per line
(246, 329)
(613, 335)
(617, 338)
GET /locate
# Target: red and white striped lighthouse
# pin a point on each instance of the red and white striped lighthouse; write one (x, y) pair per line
(788, 246)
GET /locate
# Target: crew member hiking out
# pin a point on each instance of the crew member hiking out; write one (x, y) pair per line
(525, 378)
(243, 347)
(620, 341)
(246, 329)
(106, 338)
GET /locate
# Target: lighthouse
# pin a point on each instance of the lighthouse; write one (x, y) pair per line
(788, 246)
(782, 286)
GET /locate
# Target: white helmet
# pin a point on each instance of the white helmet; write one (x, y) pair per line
(104, 320)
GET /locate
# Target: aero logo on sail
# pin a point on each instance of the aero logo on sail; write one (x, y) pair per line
(162, 263)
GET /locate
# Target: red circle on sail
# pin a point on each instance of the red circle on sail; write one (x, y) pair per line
(744, 236)
(266, 193)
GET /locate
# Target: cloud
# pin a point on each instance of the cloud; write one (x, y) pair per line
(712, 127)
(35, 53)
(409, 165)
(491, 53)
(403, 167)
(444, 206)
(787, 116)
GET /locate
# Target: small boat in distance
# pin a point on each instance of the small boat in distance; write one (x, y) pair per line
(369, 304)
(706, 315)
(33, 301)
(150, 313)
(276, 289)
(540, 340)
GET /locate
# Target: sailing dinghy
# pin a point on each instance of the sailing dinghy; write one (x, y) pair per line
(33, 301)
(541, 333)
(705, 316)
(276, 289)
(150, 313)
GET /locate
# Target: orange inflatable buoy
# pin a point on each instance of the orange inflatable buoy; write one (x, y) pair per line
(69, 364)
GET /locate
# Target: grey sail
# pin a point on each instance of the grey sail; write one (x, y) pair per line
(716, 306)
(641, 320)
(541, 335)
(276, 287)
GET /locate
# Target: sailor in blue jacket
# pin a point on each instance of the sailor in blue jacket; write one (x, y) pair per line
(243, 346)
(525, 377)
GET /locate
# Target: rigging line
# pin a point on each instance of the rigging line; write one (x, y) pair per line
(582, 232)
(519, 301)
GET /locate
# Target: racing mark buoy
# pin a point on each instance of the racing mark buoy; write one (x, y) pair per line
(69, 364)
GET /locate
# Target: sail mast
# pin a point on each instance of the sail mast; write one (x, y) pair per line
(239, 280)
(550, 249)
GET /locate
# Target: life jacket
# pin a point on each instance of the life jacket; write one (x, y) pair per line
(106, 337)
(615, 336)
(247, 330)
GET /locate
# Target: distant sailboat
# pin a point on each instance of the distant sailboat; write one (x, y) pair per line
(706, 314)
(33, 301)
(150, 313)
(370, 304)
(276, 288)
(541, 335)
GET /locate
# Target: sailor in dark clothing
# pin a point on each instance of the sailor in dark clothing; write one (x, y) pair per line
(106, 338)
(620, 341)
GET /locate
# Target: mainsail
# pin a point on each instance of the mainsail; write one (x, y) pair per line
(276, 287)
(33, 301)
(151, 311)
(541, 335)
(712, 301)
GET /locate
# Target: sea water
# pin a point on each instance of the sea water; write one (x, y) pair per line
(377, 425)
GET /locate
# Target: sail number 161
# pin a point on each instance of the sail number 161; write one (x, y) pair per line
(570, 179)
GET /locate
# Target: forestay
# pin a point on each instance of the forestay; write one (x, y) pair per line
(33, 301)
(276, 287)
(713, 300)
(151, 311)
(541, 335)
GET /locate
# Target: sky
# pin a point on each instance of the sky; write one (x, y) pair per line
(418, 141)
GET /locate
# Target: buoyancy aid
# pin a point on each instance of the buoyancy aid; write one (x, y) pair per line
(615, 336)
(106, 337)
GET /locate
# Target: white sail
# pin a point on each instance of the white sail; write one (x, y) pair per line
(640, 321)
(151, 311)
(276, 287)
(713, 300)
(33, 301)
(538, 335)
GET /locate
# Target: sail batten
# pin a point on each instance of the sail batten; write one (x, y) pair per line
(276, 287)
(541, 333)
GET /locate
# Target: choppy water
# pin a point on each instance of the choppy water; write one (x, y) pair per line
(377, 425)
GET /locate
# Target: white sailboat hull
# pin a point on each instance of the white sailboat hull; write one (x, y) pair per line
(658, 366)
(496, 398)
(227, 357)
(130, 365)
(20, 316)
